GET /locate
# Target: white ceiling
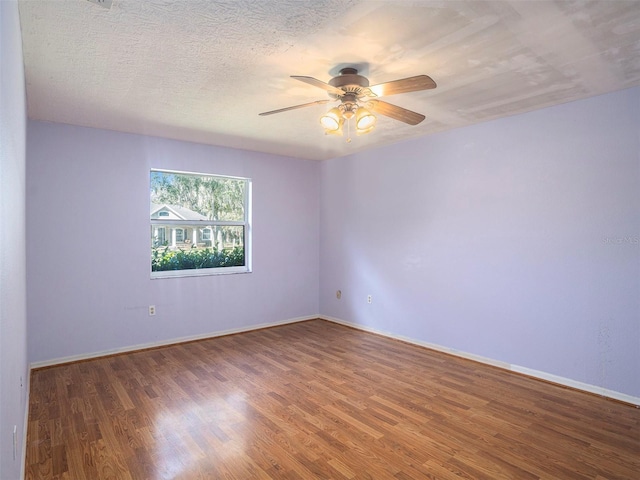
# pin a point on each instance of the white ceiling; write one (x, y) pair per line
(202, 70)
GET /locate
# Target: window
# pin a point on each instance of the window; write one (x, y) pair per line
(200, 224)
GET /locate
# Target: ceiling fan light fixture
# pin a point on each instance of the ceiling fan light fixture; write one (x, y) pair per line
(332, 120)
(338, 132)
(365, 121)
(352, 90)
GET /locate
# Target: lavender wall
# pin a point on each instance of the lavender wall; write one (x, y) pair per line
(13, 319)
(517, 240)
(88, 243)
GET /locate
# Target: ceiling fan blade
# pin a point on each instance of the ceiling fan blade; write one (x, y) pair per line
(395, 112)
(405, 85)
(320, 84)
(318, 102)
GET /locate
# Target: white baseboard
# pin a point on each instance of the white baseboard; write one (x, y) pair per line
(567, 382)
(162, 343)
(23, 455)
(586, 387)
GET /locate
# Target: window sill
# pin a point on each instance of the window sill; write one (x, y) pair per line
(199, 272)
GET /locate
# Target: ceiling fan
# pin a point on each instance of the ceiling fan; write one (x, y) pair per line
(358, 99)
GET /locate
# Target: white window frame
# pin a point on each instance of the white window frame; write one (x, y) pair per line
(184, 224)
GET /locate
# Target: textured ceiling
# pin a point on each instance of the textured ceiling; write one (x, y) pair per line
(202, 70)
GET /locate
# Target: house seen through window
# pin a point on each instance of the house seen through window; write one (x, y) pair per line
(200, 224)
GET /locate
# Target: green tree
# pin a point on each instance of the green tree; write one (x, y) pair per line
(214, 197)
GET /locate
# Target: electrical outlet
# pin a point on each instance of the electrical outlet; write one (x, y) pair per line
(152, 310)
(369, 299)
(338, 294)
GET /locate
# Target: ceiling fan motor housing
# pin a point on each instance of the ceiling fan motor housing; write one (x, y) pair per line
(350, 82)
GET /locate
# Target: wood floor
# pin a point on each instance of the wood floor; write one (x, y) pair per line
(317, 400)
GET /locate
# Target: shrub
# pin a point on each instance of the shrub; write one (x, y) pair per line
(163, 258)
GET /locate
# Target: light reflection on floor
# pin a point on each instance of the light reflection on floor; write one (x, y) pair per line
(178, 454)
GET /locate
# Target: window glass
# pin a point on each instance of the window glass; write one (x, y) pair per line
(199, 224)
